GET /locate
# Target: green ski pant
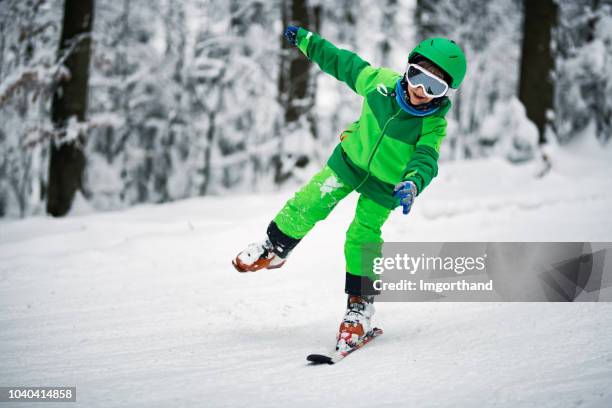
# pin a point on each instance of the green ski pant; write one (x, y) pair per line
(313, 203)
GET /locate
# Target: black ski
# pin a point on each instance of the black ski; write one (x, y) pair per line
(337, 356)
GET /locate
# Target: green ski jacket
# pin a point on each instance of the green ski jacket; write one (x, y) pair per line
(386, 144)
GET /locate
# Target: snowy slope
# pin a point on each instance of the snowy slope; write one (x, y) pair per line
(142, 308)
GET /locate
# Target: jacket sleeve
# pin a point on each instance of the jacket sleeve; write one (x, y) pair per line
(342, 64)
(423, 164)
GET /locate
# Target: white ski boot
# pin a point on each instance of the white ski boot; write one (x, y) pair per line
(257, 256)
(356, 322)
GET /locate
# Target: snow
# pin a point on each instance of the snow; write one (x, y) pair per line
(330, 184)
(141, 307)
(509, 120)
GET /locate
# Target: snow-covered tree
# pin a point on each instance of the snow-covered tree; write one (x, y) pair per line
(583, 67)
(489, 33)
(206, 97)
(29, 34)
(297, 90)
(232, 82)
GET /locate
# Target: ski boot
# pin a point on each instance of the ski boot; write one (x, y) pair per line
(256, 256)
(271, 253)
(356, 322)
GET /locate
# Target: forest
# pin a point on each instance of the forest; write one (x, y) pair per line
(133, 101)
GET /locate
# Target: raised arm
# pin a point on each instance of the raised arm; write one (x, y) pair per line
(342, 64)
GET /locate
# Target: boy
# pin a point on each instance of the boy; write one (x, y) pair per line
(389, 156)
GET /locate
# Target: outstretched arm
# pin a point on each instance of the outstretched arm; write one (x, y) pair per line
(342, 64)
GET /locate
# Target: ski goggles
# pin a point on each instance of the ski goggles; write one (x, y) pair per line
(433, 86)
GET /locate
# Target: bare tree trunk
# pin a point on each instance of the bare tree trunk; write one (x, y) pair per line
(3, 176)
(67, 160)
(536, 89)
(210, 140)
(2, 45)
(296, 87)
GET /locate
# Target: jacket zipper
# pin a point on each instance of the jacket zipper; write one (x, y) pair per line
(382, 133)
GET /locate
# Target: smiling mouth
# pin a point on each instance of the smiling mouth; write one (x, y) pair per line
(419, 98)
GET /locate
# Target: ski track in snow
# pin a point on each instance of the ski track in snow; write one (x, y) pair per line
(142, 308)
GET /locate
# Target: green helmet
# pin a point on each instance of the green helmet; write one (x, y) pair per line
(445, 54)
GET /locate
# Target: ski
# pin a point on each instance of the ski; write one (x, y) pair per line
(337, 356)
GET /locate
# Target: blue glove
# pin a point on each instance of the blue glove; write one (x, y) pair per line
(291, 34)
(406, 191)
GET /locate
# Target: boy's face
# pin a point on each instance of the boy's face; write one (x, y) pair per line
(417, 95)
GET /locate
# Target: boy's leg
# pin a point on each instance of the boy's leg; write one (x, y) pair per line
(312, 203)
(364, 243)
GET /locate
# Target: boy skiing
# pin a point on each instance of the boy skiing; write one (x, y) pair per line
(389, 155)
